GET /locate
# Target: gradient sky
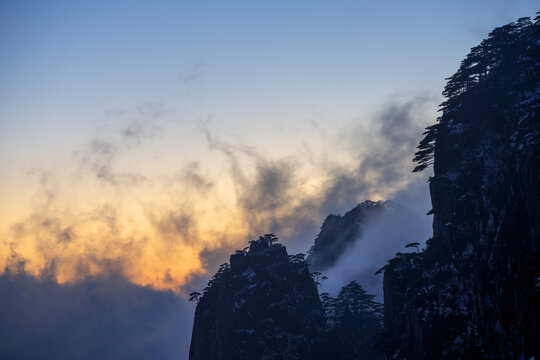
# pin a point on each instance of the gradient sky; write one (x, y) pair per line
(143, 142)
(148, 138)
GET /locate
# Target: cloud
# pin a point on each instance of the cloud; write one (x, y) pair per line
(99, 159)
(272, 197)
(177, 225)
(272, 193)
(47, 188)
(153, 246)
(167, 231)
(384, 153)
(98, 317)
(78, 262)
(194, 74)
(211, 259)
(379, 242)
(387, 145)
(146, 123)
(100, 155)
(191, 176)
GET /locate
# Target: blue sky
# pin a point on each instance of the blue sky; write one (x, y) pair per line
(65, 60)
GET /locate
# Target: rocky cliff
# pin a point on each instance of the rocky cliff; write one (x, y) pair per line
(340, 231)
(474, 292)
(262, 305)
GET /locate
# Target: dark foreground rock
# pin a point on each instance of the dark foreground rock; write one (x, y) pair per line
(473, 293)
(263, 305)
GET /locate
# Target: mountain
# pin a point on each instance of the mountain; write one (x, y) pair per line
(474, 292)
(338, 232)
(264, 304)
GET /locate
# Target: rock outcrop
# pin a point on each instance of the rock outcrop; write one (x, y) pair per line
(474, 292)
(340, 231)
(263, 305)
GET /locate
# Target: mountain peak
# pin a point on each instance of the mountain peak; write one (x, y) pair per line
(264, 302)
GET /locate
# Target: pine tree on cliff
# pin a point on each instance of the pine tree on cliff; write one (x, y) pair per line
(354, 323)
(263, 304)
(473, 293)
(486, 69)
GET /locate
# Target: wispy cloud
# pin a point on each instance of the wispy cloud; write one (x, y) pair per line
(100, 155)
(194, 74)
(169, 230)
(272, 193)
(105, 251)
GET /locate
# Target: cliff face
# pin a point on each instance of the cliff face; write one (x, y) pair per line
(338, 232)
(473, 293)
(264, 304)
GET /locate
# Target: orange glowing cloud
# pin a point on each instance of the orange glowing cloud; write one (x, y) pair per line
(152, 217)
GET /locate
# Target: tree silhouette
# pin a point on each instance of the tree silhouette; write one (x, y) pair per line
(413, 244)
(195, 296)
(270, 239)
(354, 321)
(487, 69)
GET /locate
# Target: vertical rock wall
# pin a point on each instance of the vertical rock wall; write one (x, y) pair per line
(473, 293)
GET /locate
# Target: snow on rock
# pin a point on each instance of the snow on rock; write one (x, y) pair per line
(263, 305)
(474, 292)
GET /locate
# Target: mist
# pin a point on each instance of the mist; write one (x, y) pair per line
(404, 222)
(272, 193)
(108, 297)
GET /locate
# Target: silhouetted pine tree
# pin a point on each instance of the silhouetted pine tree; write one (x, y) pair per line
(354, 321)
(486, 72)
(466, 295)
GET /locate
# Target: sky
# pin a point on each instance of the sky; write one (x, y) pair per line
(148, 140)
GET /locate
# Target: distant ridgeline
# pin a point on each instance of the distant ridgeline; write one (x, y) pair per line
(265, 305)
(474, 292)
(338, 232)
